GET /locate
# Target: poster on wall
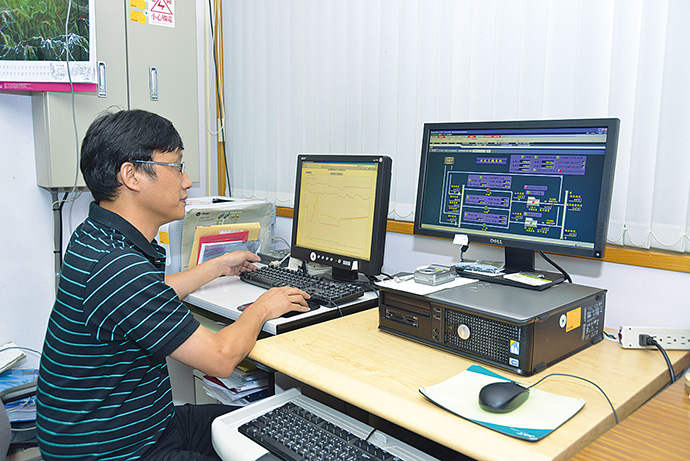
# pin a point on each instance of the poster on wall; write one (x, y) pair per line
(37, 40)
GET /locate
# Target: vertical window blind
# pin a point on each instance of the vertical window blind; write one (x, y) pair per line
(356, 76)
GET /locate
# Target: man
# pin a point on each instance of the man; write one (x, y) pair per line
(103, 386)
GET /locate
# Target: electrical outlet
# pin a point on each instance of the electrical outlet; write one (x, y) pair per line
(668, 338)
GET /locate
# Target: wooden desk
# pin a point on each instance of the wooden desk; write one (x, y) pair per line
(349, 358)
(660, 429)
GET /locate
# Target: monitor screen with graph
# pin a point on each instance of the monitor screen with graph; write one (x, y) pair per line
(340, 214)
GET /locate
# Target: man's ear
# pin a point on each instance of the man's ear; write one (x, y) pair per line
(129, 176)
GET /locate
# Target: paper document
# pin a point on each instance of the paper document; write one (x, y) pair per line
(217, 214)
(541, 414)
(212, 246)
(410, 286)
(209, 251)
(25, 409)
(253, 230)
(527, 279)
(10, 354)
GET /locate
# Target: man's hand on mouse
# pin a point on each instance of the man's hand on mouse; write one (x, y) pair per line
(280, 300)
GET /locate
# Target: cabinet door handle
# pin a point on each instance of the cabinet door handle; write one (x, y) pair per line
(101, 84)
(153, 83)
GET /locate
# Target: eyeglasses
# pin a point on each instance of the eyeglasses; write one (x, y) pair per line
(179, 166)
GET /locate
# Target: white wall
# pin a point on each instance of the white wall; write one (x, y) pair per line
(26, 274)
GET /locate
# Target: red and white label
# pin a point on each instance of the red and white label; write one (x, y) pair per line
(162, 13)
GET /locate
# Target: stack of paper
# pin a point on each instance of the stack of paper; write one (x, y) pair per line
(246, 384)
(22, 410)
(213, 241)
(10, 354)
(410, 286)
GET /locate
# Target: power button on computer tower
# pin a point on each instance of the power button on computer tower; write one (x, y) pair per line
(464, 331)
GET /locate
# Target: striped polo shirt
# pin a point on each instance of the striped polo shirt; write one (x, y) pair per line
(103, 387)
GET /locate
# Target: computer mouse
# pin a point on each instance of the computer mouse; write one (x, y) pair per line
(502, 397)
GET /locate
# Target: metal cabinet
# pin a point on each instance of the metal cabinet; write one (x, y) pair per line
(146, 66)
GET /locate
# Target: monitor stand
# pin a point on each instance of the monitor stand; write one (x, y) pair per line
(519, 261)
(344, 275)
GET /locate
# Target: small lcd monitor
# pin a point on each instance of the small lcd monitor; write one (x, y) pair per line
(540, 185)
(341, 212)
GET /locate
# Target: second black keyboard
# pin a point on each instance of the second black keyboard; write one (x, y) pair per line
(323, 291)
(291, 432)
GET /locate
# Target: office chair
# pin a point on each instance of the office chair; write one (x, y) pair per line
(7, 396)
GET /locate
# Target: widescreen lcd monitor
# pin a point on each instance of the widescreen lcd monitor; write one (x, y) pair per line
(539, 185)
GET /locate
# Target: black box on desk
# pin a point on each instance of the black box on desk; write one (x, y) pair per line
(523, 331)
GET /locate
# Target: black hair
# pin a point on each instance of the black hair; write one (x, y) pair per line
(118, 137)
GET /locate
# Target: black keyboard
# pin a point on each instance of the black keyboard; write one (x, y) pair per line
(322, 291)
(292, 433)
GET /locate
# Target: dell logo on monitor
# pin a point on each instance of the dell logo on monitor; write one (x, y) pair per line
(496, 241)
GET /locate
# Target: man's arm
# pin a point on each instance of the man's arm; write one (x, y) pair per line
(217, 354)
(186, 282)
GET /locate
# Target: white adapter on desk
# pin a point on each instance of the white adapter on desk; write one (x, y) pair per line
(668, 338)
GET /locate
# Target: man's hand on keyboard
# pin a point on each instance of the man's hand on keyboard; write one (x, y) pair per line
(281, 300)
(237, 262)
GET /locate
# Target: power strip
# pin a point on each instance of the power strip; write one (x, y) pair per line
(668, 338)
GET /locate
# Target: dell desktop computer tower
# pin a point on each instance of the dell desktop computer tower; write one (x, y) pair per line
(523, 331)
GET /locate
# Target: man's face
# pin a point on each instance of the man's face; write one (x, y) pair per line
(168, 194)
